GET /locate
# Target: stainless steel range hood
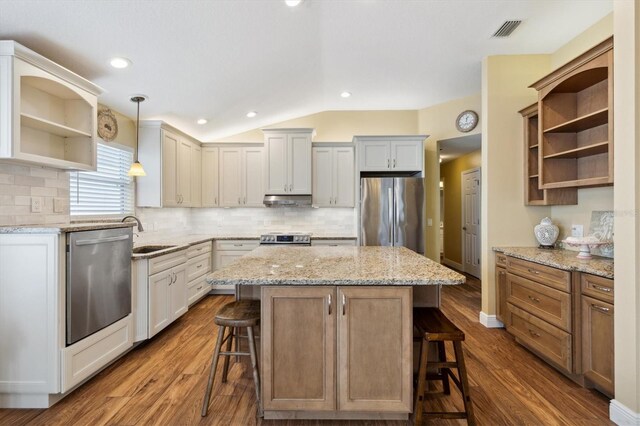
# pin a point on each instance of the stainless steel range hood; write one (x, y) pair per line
(287, 200)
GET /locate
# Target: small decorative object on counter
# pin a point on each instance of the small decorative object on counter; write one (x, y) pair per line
(585, 244)
(546, 233)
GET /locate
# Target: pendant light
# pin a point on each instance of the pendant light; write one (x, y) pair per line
(136, 168)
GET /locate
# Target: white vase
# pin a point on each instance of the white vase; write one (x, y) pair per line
(546, 233)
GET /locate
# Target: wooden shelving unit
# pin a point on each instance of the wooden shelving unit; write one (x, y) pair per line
(575, 122)
(533, 194)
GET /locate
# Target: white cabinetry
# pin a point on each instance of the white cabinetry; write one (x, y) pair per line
(241, 174)
(227, 251)
(333, 177)
(196, 176)
(47, 114)
(288, 161)
(169, 159)
(198, 266)
(391, 153)
(210, 177)
(333, 243)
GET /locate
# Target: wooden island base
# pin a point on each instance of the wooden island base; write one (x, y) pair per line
(333, 415)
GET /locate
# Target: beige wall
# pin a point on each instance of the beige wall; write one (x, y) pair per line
(598, 32)
(627, 204)
(438, 122)
(451, 175)
(342, 126)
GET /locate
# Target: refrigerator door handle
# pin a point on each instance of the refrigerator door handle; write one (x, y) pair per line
(391, 222)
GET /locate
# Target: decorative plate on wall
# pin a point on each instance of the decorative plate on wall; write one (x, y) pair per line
(107, 125)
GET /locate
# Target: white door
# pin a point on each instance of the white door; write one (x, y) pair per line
(375, 156)
(159, 305)
(276, 181)
(210, 177)
(169, 170)
(178, 292)
(230, 177)
(343, 177)
(322, 177)
(406, 156)
(471, 221)
(184, 173)
(253, 175)
(196, 176)
(299, 160)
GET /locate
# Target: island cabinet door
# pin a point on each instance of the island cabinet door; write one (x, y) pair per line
(374, 349)
(298, 348)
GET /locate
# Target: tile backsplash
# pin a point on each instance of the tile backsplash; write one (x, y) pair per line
(21, 184)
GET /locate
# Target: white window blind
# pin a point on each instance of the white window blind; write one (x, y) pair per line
(107, 191)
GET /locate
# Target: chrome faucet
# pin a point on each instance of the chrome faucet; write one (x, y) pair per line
(140, 227)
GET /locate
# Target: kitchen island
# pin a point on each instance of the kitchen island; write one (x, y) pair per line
(336, 327)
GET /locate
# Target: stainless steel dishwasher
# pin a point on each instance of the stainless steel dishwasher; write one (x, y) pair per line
(98, 280)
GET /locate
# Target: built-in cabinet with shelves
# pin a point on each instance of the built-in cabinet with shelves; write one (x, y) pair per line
(241, 171)
(333, 176)
(533, 194)
(288, 161)
(575, 122)
(338, 349)
(48, 114)
(390, 153)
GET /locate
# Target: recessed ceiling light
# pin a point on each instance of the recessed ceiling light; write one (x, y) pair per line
(345, 94)
(251, 114)
(292, 3)
(201, 121)
(120, 62)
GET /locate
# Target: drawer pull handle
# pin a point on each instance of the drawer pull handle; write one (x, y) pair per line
(532, 271)
(344, 304)
(534, 299)
(605, 289)
(329, 304)
(600, 308)
(237, 245)
(533, 333)
(199, 266)
(199, 288)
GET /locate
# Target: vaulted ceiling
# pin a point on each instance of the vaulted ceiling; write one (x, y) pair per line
(219, 59)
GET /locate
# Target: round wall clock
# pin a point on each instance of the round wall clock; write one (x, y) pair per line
(467, 121)
(107, 125)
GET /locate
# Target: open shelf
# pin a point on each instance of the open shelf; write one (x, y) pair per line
(586, 182)
(533, 176)
(534, 146)
(34, 122)
(584, 151)
(584, 122)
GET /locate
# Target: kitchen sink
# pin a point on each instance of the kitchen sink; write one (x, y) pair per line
(150, 249)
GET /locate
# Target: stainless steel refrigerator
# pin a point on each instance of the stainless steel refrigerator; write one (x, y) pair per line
(391, 212)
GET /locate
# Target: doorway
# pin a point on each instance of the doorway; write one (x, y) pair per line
(471, 221)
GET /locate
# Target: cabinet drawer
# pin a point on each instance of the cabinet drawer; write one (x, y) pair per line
(501, 260)
(549, 304)
(597, 287)
(237, 245)
(198, 249)
(547, 275)
(333, 243)
(198, 266)
(196, 289)
(543, 338)
(168, 261)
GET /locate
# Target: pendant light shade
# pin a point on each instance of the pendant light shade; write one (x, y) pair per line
(136, 168)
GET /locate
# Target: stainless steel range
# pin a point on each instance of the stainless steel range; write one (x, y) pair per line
(277, 238)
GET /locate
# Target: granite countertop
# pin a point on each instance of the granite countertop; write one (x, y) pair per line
(561, 259)
(344, 265)
(57, 228)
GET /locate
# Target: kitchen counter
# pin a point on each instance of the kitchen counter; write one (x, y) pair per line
(58, 228)
(561, 259)
(335, 266)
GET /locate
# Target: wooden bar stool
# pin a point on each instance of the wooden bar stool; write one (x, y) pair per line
(235, 315)
(434, 326)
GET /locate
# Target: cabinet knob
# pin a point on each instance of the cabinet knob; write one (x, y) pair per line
(600, 308)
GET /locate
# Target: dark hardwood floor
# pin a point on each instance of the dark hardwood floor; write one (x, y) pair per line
(162, 382)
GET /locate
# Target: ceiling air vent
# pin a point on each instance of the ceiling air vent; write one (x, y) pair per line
(507, 28)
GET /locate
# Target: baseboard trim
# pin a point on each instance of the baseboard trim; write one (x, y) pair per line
(453, 264)
(490, 321)
(622, 415)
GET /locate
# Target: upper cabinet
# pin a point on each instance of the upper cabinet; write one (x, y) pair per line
(575, 121)
(210, 177)
(333, 176)
(48, 114)
(172, 162)
(241, 171)
(288, 161)
(390, 153)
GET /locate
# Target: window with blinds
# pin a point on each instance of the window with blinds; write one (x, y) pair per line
(107, 191)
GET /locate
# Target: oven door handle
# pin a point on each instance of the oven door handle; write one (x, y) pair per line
(101, 240)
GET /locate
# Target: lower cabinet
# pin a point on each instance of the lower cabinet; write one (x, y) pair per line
(227, 251)
(501, 294)
(167, 297)
(342, 349)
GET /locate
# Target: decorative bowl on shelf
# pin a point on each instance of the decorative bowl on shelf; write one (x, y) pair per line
(585, 244)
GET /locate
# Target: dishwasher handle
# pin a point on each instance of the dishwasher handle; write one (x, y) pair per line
(101, 240)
